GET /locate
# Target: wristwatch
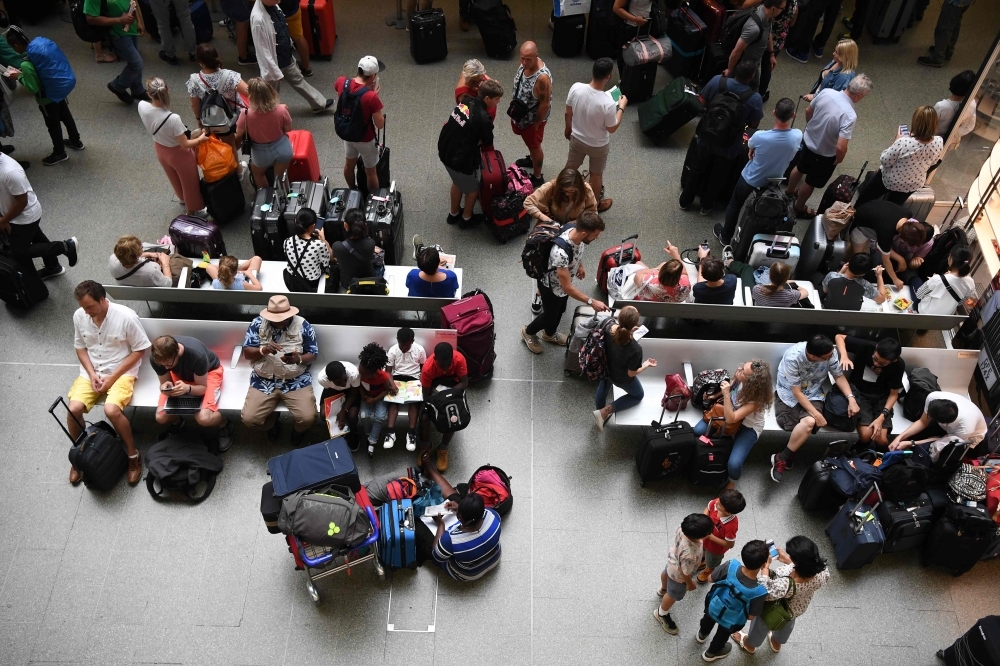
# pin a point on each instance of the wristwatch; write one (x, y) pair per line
(590, 301)
(885, 412)
(619, 107)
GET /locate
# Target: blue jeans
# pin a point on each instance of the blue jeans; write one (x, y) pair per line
(743, 442)
(741, 193)
(378, 413)
(131, 77)
(633, 394)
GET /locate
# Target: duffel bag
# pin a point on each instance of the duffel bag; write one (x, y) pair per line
(326, 517)
(646, 49)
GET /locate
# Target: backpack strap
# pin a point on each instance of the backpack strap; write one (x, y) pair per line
(133, 271)
(299, 255)
(760, 25)
(207, 84)
(951, 290)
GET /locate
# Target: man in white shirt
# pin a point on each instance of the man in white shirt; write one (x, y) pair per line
(830, 119)
(274, 54)
(947, 109)
(957, 416)
(21, 220)
(110, 343)
(592, 116)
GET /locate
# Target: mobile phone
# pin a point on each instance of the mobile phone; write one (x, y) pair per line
(904, 130)
(168, 386)
(704, 244)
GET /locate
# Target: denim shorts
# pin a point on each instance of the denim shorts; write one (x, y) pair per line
(264, 155)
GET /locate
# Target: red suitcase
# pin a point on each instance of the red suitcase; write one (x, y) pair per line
(472, 317)
(305, 160)
(319, 27)
(615, 256)
(714, 16)
(494, 179)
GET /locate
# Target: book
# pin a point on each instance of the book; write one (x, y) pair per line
(408, 392)
(331, 408)
(615, 93)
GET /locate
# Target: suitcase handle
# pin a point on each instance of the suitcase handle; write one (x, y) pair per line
(83, 426)
(780, 244)
(859, 522)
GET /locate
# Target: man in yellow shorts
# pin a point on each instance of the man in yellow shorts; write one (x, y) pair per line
(293, 18)
(109, 342)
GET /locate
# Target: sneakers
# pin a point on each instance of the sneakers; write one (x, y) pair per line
(847, 23)
(46, 272)
(306, 72)
(682, 205)
(418, 244)
(454, 219)
(371, 449)
(604, 204)
(75, 145)
(134, 469)
(54, 158)
(71, 248)
(411, 441)
(525, 162)
(537, 182)
(727, 255)
(120, 94)
(599, 419)
(169, 57)
(389, 440)
(800, 56)
(717, 232)
(701, 638)
(75, 476)
(476, 219)
(933, 52)
(296, 438)
(778, 468)
(930, 61)
(225, 436)
(326, 107)
(536, 304)
(274, 432)
(705, 211)
(666, 622)
(534, 346)
(442, 460)
(817, 53)
(558, 339)
(724, 651)
(249, 60)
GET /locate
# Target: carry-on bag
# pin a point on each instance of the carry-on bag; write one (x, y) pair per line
(97, 453)
(959, 538)
(494, 179)
(397, 539)
(341, 200)
(643, 49)
(888, 19)
(766, 249)
(904, 480)
(817, 253)
(224, 198)
(766, 211)
(920, 202)
(448, 410)
(710, 460)
(319, 27)
(568, 35)
(329, 516)
(670, 109)
(622, 254)
(666, 449)
(600, 43)
(192, 235)
(381, 167)
(688, 37)
(856, 532)
(268, 227)
(472, 317)
(507, 217)
(498, 30)
(714, 16)
(325, 463)
(585, 320)
(979, 645)
(306, 194)
(816, 491)
(384, 213)
(905, 524)
(305, 159)
(493, 485)
(842, 188)
(20, 286)
(428, 41)
(183, 465)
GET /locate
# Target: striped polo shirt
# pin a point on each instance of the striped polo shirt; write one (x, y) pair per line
(468, 555)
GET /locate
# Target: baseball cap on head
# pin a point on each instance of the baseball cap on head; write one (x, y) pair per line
(370, 65)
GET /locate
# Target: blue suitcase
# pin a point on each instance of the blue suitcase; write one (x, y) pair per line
(326, 463)
(856, 533)
(397, 539)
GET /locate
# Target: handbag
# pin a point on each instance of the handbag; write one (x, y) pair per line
(776, 613)
(968, 484)
(294, 280)
(677, 393)
(518, 109)
(718, 426)
(645, 49)
(247, 143)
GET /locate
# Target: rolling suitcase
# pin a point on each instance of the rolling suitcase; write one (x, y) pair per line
(314, 466)
(341, 201)
(192, 235)
(959, 538)
(498, 30)
(98, 453)
(306, 194)
(766, 211)
(568, 35)
(766, 249)
(714, 16)
(397, 539)
(637, 81)
(615, 256)
(270, 507)
(816, 491)
(428, 41)
(508, 218)
(384, 213)
(599, 36)
(268, 228)
(585, 319)
(688, 37)
(920, 203)
(666, 449)
(20, 286)
(472, 317)
(319, 27)
(843, 188)
(224, 198)
(201, 18)
(305, 160)
(381, 168)
(817, 253)
(714, 62)
(672, 108)
(905, 524)
(710, 461)
(856, 534)
(888, 19)
(979, 645)
(494, 179)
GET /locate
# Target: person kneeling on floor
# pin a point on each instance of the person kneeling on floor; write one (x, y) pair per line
(447, 368)
(185, 366)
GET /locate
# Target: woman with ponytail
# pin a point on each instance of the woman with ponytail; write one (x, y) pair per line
(623, 356)
(945, 291)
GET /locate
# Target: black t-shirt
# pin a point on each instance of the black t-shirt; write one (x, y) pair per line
(622, 358)
(468, 126)
(357, 264)
(888, 378)
(882, 218)
(722, 295)
(197, 360)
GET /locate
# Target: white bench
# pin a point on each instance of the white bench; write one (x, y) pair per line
(954, 369)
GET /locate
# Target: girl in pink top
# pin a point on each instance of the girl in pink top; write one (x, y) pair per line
(267, 123)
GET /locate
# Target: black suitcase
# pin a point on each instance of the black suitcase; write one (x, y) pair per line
(20, 286)
(498, 30)
(306, 194)
(428, 42)
(224, 198)
(715, 62)
(688, 37)
(816, 491)
(766, 211)
(888, 19)
(959, 538)
(568, 35)
(341, 201)
(669, 110)
(382, 168)
(600, 42)
(98, 454)
(666, 450)
(270, 507)
(637, 81)
(905, 524)
(710, 462)
(192, 236)
(268, 227)
(979, 645)
(323, 464)
(856, 534)
(384, 213)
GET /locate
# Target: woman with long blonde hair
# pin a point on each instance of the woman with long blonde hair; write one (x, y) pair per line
(624, 361)
(839, 72)
(267, 122)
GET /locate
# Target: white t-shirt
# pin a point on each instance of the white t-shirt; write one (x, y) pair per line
(153, 117)
(946, 110)
(833, 118)
(970, 424)
(353, 378)
(935, 299)
(119, 335)
(13, 183)
(593, 113)
(406, 363)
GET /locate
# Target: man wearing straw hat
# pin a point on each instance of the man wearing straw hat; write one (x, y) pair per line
(280, 345)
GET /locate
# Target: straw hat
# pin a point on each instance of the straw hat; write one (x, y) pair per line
(278, 309)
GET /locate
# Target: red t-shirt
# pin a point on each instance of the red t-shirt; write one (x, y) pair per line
(432, 370)
(726, 531)
(370, 104)
(374, 386)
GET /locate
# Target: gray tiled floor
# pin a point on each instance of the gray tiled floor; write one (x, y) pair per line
(119, 578)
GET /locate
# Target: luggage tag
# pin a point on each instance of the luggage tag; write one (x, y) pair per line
(706, 440)
(265, 208)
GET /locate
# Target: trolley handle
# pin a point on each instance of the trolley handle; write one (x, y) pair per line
(322, 560)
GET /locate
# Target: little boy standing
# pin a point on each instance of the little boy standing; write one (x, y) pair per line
(735, 598)
(722, 510)
(682, 562)
(405, 360)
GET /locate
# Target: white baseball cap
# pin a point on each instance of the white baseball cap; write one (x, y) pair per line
(370, 65)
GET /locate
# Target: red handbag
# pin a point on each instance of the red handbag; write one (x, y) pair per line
(677, 393)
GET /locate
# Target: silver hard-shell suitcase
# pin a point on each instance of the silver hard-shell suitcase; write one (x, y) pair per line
(766, 249)
(817, 253)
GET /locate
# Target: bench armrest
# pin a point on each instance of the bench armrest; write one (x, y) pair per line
(182, 281)
(688, 374)
(237, 354)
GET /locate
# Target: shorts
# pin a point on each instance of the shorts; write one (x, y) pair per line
(578, 150)
(675, 590)
(532, 135)
(294, 23)
(367, 151)
(213, 391)
(789, 417)
(712, 560)
(264, 155)
(816, 168)
(870, 407)
(467, 183)
(405, 378)
(119, 394)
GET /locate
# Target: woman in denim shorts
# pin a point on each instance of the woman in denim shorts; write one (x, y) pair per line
(267, 123)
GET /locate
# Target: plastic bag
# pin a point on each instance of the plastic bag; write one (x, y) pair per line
(216, 159)
(837, 218)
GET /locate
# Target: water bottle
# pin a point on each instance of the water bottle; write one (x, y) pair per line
(772, 548)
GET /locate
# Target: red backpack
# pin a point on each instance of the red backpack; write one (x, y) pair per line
(677, 393)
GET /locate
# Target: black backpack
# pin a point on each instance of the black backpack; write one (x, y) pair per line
(722, 123)
(538, 245)
(936, 260)
(923, 382)
(843, 294)
(85, 31)
(349, 121)
(733, 28)
(216, 112)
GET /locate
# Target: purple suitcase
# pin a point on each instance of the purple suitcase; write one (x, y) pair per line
(192, 235)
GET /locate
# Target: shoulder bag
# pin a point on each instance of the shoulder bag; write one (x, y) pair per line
(294, 279)
(949, 288)
(777, 614)
(518, 108)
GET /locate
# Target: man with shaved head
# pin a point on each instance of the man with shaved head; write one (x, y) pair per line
(530, 110)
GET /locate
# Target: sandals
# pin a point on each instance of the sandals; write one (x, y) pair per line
(740, 639)
(770, 641)
(806, 213)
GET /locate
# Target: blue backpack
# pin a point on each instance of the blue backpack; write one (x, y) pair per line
(53, 69)
(729, 599)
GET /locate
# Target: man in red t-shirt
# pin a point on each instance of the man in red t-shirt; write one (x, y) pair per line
(722, 511)
(446, 368)
(371, 111)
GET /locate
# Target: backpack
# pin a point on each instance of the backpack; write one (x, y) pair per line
(904, 480)
(676, 395)
(496, 496)
(593, 358)
(85, 31)
(448, 410)
(53, 69)
(936, 260)
(518, 181)
(728, 602)
(923, 382)
(835, 407)
(852, 477)
(327, 517)
(843, 294)
(349, 121)
(968, 484)
(538, 245)
(215, 109)
(707, 384)
(733, 28)
(722, 123)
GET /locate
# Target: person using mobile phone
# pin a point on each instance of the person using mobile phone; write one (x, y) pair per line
(904, 164)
